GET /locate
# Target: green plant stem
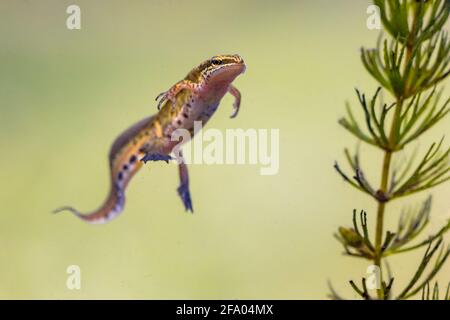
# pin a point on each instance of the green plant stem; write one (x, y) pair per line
(385, 176)
(383, 189)
(387, 166)
(380, 217)
(403, 68)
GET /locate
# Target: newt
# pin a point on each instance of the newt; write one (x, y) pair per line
(195, 98)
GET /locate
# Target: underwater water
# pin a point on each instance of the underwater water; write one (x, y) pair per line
(66, 94)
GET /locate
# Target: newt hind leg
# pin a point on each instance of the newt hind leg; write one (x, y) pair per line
(183, 189)
(156, 157)
(185, 195)
(154, 151)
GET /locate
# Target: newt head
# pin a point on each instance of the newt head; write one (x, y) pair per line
(218, 70)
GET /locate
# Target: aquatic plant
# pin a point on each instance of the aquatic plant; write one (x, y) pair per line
(410, 62)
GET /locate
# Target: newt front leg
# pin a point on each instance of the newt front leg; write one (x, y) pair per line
(174, 90)
(237, 100)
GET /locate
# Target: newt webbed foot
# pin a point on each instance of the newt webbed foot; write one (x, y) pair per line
(156, 157)
(185, 195)
(163, 97)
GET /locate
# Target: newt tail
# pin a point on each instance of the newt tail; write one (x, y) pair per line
(124, 164)
(195, 98)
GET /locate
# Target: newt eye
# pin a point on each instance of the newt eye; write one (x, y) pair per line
(216, 62)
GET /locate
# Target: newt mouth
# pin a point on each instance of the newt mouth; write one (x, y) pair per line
(241, 67)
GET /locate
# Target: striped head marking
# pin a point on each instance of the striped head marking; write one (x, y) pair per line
(220, 68)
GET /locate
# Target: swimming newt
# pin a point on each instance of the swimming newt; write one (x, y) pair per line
(195, 98)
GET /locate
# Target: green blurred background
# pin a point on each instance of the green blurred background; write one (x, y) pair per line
(65, 95)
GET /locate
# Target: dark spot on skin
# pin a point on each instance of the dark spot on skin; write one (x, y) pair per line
(179, 122)
(133, 159)
(120, 176)
(188, 105)
(125, 167)
(185, 115)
